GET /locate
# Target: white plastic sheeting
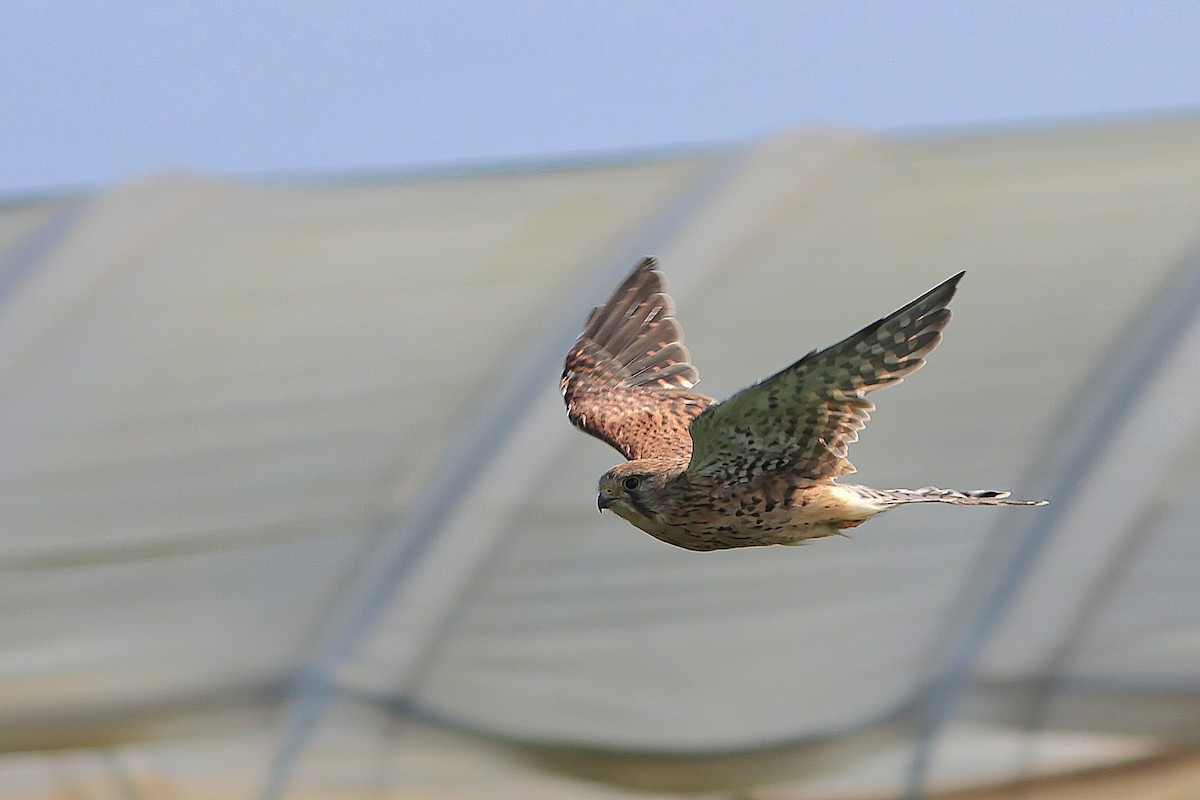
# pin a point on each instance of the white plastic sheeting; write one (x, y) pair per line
(292, 507)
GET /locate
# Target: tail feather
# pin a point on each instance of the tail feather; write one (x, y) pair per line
(931, 494)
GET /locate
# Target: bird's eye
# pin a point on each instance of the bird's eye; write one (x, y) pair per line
(631, 483)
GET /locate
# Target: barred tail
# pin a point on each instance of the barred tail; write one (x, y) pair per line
(931, 494)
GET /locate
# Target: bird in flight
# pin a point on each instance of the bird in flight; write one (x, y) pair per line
(761, 467)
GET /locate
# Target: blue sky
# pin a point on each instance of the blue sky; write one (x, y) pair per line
(97, 92)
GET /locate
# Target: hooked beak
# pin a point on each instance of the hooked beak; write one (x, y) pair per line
(603, 501)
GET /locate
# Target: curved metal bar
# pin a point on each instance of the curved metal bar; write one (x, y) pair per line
(19, 261)
(462, 468)
(1115, 387)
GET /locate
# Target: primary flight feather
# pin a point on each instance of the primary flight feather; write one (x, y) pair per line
(761, 467)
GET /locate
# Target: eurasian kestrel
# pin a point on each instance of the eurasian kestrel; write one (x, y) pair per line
(760, 467)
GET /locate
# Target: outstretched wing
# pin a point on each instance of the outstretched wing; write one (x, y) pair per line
(801, 420)
(628, 378)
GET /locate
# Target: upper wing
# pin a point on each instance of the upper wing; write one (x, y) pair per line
(628, 378)
(801, 419)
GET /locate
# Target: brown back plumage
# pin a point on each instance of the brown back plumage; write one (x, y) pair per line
(801, 420)
(628, 378)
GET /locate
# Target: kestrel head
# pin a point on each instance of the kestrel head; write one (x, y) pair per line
(632, 489)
